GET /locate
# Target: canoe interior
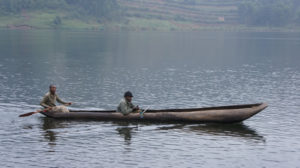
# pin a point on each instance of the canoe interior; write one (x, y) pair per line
(181, 110)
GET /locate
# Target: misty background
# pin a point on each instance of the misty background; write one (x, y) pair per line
(150, 14)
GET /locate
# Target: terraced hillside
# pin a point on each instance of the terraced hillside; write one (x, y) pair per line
(181, 12)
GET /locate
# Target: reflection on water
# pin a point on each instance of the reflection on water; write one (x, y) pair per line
(47, 125)
(125, 130)
(235, 130)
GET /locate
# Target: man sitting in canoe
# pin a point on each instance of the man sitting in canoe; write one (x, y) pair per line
(50, 99)
(125, 107)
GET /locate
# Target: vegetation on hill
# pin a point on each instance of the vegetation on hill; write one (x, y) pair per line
(97, 8)
(57, 13)
(149, 14)
(269, 12)
(227, 14)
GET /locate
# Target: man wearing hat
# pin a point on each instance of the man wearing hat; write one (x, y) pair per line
(125, 107)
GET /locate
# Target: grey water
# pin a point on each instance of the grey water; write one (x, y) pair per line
(163, 70)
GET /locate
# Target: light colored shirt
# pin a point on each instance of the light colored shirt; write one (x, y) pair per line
(125, 107)
(49, 100)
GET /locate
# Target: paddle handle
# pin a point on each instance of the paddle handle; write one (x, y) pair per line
(142, 112)
(31, 113)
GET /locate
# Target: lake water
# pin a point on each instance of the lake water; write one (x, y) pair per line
(163, 70)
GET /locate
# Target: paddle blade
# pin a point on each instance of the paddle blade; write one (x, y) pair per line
(27, 114)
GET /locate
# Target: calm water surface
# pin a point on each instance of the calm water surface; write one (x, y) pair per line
(163, 70)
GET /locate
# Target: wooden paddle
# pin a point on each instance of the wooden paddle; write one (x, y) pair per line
(31, 113)
(38, 111)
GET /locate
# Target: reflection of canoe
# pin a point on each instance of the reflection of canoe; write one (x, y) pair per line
(228, 114)
(231, 130)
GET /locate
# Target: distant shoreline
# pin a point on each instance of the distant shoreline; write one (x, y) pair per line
(145, 29)
(46, 21)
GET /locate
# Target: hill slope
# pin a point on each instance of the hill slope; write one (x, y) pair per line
(150, 14)
(180, 14)
(201, 11)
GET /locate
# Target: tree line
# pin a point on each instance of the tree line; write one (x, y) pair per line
(97, 8)
(269, 12)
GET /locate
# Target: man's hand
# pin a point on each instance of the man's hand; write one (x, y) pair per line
(69, 104)
(136, 108)
(48, 109)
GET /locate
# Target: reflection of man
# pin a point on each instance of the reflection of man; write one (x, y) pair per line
(125, 107)
(50, 99)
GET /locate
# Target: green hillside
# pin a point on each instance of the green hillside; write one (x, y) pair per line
(212, 14)
(58, 14)
(181, 14)
(150, 14)
(202, 11)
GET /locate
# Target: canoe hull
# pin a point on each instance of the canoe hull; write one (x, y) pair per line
(225, 114)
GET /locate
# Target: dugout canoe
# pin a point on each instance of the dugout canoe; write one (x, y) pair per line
(221, 114)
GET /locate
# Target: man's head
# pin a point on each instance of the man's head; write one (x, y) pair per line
(128, 96)
(52, 89)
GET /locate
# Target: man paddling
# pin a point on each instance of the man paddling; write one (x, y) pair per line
(125, 107)
(50, 99)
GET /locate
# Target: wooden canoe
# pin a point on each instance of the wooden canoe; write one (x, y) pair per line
(223, 114)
